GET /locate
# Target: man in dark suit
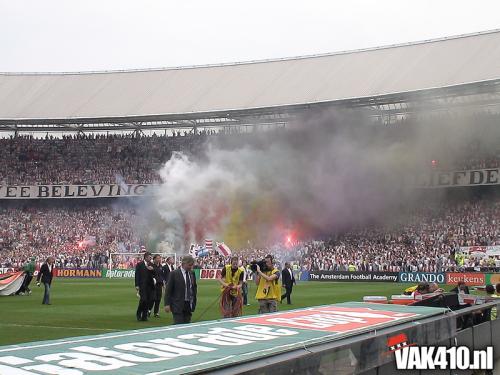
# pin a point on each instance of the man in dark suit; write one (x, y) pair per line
(460, 288)
(144, 284)
(167, 268)
(46, 274)
(158, 288)
(181, 290)
(288, 281)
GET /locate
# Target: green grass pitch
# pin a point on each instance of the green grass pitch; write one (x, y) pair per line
(93, 306)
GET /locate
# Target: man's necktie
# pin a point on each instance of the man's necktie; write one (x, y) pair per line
(189, 294)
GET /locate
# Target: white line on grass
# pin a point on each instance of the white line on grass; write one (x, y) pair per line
(39, 326)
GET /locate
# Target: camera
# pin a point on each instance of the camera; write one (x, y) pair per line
(262, 264)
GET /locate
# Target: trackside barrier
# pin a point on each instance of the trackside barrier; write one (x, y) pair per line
(369, 354)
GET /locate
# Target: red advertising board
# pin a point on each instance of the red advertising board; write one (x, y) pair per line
(210, 274)
(80, 273)
(331, 318)
(469, 278)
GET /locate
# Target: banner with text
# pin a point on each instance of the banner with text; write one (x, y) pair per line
(217, 346)
(73, 191)
(434, 179)
(422, 277)
(78, 273)
(353, 276)
(119, 273)
(440, 179)
(485, 250)
(469, 278)
(210, 274)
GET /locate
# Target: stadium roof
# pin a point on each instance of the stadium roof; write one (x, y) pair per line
(225, 90)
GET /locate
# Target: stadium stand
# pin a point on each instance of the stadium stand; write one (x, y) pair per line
(426, 242)
(401, 84)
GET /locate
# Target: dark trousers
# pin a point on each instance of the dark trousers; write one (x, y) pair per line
(26, 282)
(46, 294)
(288, 293)
(144, 302)
(184, 316)
(155, 301)
(244, 291)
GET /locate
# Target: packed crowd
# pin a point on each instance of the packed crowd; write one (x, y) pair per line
(427, 242)
(90, 159)
(135, 158)
(79, 237)
(83, 237)
(493, 161)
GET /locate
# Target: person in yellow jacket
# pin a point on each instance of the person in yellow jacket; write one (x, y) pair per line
(268, 287)
(460, 259)
(408, 291)
(231, 281)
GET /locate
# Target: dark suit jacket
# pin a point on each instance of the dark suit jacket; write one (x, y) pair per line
(286, 278)
(158, 275)
(45, 274)
(176, 289)
(166, 272)
(143, 277)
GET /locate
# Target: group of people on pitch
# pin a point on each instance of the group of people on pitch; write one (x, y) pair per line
(181, 288)
(151, 277)
(234, 279)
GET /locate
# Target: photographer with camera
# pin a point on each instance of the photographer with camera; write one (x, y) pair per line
(231, 280)
(268, 285)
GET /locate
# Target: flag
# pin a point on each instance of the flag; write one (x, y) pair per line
(209, 245)
(202, 252)
(11, 283)
(222, 249)
(192, 250)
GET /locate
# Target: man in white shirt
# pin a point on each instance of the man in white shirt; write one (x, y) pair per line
(167, 268)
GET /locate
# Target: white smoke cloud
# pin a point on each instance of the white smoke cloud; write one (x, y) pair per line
(327, 172)
(316, 173)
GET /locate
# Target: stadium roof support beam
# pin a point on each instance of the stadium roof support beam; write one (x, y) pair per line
(478, 95)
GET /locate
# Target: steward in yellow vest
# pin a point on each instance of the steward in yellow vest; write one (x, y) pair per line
(268, 287)
(408, 291)
(231, 281)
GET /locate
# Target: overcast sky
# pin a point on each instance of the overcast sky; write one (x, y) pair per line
(83, 35)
